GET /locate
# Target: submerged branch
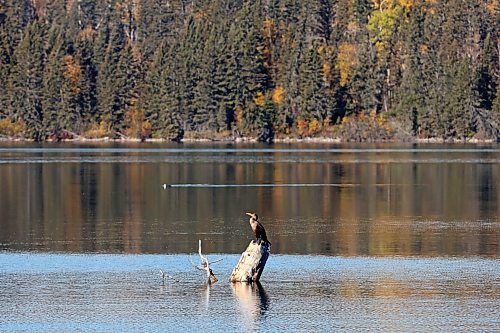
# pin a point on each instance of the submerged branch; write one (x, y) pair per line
(205, 265)
(165, 275)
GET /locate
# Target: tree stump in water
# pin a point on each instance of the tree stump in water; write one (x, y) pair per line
(252, 262)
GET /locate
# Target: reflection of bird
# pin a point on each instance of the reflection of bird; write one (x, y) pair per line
(258, 228)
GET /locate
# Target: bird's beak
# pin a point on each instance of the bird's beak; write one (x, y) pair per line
(250, 214)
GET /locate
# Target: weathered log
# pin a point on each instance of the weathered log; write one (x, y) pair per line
(252, 262)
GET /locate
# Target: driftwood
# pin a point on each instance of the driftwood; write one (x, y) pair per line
(252, 262)
(205, 266)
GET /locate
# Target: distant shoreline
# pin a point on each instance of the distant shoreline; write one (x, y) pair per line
(324, 140)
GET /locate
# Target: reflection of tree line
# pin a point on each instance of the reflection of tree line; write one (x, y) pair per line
(426, 208)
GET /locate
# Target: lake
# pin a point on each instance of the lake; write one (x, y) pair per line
(365, 237)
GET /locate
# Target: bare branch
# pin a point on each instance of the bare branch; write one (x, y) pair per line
(205, 265)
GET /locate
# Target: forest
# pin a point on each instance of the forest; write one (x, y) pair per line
(358, 70)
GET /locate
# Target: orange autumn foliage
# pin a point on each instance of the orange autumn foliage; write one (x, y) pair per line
(72, 72)
(278, 95)
(259, 99)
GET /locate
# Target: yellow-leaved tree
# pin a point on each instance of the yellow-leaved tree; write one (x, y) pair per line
(347, 60)
(278, 95)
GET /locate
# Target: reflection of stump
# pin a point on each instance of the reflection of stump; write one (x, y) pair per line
(252, 262)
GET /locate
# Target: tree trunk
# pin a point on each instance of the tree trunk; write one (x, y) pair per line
(252, 262)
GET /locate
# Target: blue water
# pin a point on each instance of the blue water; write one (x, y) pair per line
(56, 292)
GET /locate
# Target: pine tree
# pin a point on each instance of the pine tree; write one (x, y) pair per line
(85, 47)
(205, 104)
(313, 100)
(112, 78)
(53, 77)
(14, 16)
(159, 21)
(27, 79)
(159, 99)
(365, 88)
(171, 103)
(320, 20)
(6, 64)
(459, 101)
(18, 14)
(492, 126)
(152, 92)
(248, 71)
(193, 66)
(223, 87)
(410, 95)
(71, 117)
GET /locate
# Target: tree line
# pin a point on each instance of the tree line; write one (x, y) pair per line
(358, 69)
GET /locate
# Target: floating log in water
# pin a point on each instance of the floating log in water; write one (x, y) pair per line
(252, 262)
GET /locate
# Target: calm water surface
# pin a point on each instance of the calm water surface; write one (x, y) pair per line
(365, 237)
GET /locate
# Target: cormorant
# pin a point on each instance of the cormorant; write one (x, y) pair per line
(258, 228)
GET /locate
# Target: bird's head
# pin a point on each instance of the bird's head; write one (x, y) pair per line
(253, 215)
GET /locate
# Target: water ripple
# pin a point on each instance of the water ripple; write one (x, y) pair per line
(101, 292)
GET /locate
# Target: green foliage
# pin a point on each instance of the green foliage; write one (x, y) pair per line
(53, 77)
(382, 25)
(158, 96)
(151, 68)
(27, 79)
(313, 100)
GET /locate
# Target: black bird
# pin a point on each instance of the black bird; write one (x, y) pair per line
(257, 228)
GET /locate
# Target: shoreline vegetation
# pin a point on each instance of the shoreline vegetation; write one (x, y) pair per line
(360, 129)
(195, 138)
(241, 70)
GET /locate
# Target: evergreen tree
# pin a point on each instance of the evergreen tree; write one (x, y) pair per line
(313, 102)
(53, 77)
(158, 21)
(27, 79)
(6, 64)
(205, 103)
(252, 67)
(365, 88)
(320, 20)
(410, 95)
(159, 99)
(190, 73)
(14, 16)
(249, 76)
(113, 85)
(89, 96)
(223, 86)
(459, 102)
